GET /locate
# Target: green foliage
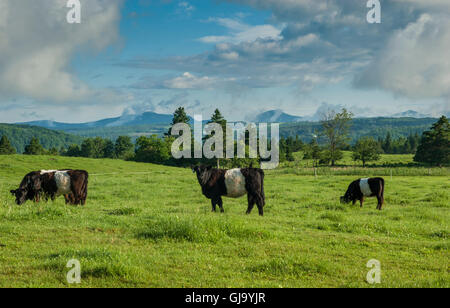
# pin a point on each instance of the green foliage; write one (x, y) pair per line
(5, 147)
(93, 148)
(366, 149)
(362, 127)
(434, 147)
(403, 145)
(153, 149)
(34, 148)
(335, 129)
(73, 151)
(124, 147)
(20, 136)
(179, 116)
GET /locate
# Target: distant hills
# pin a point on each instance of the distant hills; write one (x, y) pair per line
(276, 116)
(57, 134)
(147, 118)
(152, 118)
(361, 127)
(20, 136)
(411, 114)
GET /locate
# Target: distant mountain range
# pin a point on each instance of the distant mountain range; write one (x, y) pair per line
(152, 118)
(411, 114)
(57, 134)
(147, 118)
(276, 116)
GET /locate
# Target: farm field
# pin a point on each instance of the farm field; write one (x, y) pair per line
(146, 225)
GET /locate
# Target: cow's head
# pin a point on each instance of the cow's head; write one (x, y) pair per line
(347, 198)
(203, 173)
(21, 195)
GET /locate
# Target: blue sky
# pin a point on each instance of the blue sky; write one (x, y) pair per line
(241, 56)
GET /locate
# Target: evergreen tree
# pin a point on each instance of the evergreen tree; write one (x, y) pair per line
(34, 148)
(5, 147)
(179, 116)
(387, 144)
(434, 148)
(219, 119)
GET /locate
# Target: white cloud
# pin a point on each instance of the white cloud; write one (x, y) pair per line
(185, 7)
(415, 61)
(241, 32)
(189, 81)
(37, 45)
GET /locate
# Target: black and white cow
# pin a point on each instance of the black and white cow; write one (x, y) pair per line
(234, 183)
(72, 184)
(362, 188)
(29, 188)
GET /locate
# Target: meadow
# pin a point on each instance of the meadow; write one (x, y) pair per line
(147, 225)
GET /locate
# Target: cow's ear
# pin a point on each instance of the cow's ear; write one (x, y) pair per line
(13, 192)
(209, 168)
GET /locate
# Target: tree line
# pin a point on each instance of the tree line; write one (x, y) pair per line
(433, 147)
(328, 144)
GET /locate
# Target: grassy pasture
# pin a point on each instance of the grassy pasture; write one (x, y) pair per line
(149, 226)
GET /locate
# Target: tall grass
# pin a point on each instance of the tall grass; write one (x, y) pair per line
(149, 226)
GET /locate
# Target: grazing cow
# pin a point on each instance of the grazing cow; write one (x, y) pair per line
(362, 188)
(53, 183)
(29, 188)
(233, 183)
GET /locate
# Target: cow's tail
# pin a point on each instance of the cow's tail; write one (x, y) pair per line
(85, 188)
(263, 195)
(382, 188)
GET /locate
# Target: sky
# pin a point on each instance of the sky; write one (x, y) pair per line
(241, 56)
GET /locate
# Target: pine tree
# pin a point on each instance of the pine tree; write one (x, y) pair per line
(5, 147)
(219, 119)
(387, 144)
(434, 148)
(179, 116)
(34, 148)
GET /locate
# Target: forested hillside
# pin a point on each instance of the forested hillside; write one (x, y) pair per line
(20, 136)
(113, 132)
(373, 127)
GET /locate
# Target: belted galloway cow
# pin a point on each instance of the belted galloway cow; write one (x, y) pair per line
(234, 183)
(364, 188)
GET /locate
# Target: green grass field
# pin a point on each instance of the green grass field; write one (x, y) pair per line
(149, 226)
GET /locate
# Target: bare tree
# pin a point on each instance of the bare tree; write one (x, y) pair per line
(335, 130)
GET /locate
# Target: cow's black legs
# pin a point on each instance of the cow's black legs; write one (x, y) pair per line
(213, 204)
(361, 201)
(260, 204)
(380, 202)
(220, 202)
(251, 203)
